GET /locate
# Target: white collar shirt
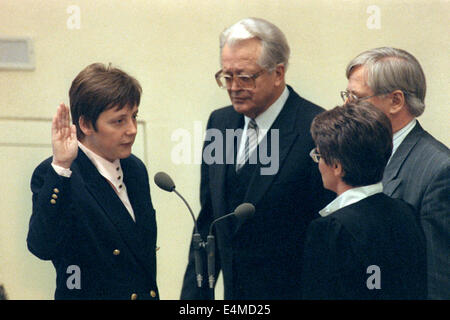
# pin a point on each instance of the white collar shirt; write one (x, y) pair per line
(351, 196)
(111, 171)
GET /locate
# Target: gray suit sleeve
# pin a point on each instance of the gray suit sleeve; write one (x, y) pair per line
(435, 222)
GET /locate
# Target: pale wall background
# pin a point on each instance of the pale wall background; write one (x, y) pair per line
(171, 47)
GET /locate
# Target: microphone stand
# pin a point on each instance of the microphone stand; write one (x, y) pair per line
(210, 249)
(187, 205)
(164, 182)
(197, 244)
(243, 211)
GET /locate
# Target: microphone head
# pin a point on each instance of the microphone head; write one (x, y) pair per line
(244, 211)
(163, 181)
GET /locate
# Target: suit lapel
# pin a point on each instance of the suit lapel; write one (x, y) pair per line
(285, 124)
(390, 180)
(235, 121)
(107, 199)
(134, 191)
(144, 230)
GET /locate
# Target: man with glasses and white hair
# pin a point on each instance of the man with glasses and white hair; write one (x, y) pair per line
(419, 169)
(261, 257)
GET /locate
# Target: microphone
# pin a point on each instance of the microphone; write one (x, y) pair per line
(242, 212)
(165, 182)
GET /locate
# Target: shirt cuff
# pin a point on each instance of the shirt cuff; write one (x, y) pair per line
(62, 171)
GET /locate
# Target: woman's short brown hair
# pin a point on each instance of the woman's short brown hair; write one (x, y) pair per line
(359, 137)
(98, 88)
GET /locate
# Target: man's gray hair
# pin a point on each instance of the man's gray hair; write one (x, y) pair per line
(275, 49)
(389, 69)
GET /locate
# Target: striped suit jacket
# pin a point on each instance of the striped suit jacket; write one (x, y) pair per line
(419, 173)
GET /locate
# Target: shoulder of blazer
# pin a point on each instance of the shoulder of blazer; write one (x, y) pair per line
(418, 149)
(133, 163)
(306, 106)
(298, 110)
(421, 140)
(86, 167)
(430, 144)
(225, 117)
(363, 214)
(134, 160)
(301, 110)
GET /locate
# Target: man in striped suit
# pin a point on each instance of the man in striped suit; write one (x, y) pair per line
(419, 169)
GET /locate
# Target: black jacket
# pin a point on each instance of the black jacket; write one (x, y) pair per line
(347, 250)
(80, 222)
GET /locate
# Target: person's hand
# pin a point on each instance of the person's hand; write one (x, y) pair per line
(64, 138)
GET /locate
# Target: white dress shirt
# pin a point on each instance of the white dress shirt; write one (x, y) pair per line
(111, 171)
(351, 196)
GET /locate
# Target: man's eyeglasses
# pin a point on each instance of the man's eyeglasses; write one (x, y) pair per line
(351, 97)
(243, 81)
(315, 155)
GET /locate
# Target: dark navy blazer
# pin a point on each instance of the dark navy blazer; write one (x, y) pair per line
(79, 223)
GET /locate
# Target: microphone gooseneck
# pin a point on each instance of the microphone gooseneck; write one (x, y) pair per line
(190, 210)
(242, 212)
(165, 182)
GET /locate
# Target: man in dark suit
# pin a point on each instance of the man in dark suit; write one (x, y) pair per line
(366, 245)
(260, 258)
(419, 169)
(92, 212)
